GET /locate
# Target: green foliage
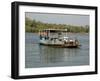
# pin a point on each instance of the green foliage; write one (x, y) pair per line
(35, 26)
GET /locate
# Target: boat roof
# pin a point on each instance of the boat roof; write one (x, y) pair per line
(55, 30)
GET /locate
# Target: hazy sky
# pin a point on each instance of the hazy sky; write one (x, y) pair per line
(73, 19)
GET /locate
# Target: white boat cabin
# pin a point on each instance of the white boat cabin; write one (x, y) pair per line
(57, 37)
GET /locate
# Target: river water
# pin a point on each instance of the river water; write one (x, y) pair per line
(45, 56)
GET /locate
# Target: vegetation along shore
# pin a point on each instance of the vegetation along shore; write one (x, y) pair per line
(35, 26)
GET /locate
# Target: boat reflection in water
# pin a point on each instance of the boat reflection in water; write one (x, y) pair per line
(53, 56)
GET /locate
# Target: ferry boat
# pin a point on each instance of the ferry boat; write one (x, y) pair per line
(57, 38)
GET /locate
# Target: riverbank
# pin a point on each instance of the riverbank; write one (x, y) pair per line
(67, 32)
(36, 26)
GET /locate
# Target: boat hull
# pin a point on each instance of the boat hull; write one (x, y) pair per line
(61, 45)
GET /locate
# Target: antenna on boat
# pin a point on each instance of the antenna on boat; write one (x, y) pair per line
(66, 31)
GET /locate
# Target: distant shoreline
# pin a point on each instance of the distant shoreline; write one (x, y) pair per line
(67, 32)
(36, 26)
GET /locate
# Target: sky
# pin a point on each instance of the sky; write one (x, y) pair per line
(68, 19)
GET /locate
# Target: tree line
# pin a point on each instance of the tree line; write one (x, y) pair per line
(35, 26)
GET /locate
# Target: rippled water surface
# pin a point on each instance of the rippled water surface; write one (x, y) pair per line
(45, 56)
